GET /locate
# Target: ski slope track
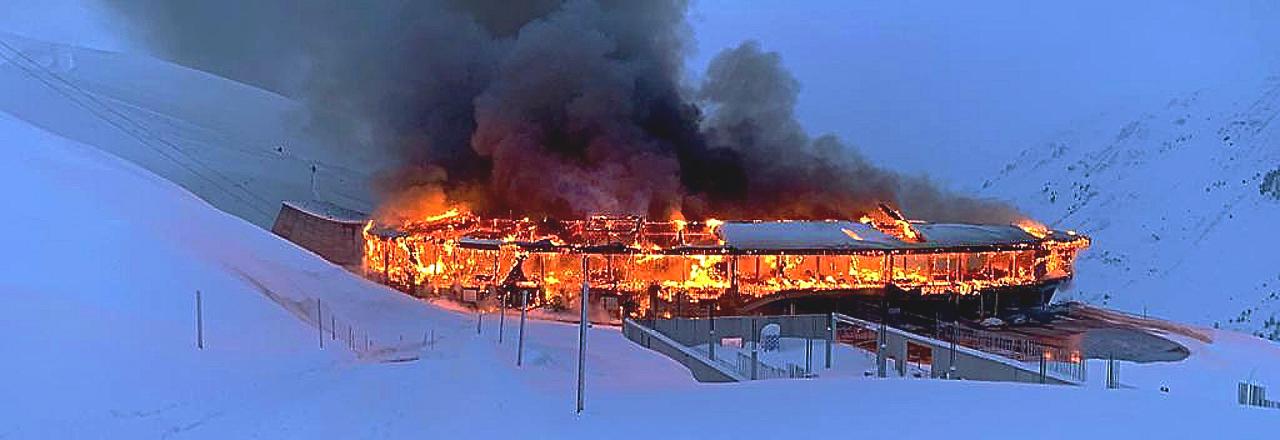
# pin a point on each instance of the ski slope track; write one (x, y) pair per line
(104, 256)
(1177, 201)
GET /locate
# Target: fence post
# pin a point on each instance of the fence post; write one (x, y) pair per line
(199, 322)
(320, 321)
(333, 327)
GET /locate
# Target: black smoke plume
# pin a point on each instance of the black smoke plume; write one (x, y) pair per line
(546, 108)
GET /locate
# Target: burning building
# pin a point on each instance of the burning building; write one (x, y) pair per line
(677, 267)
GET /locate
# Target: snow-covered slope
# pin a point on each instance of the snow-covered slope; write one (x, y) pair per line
(241, 148)
(96, 308)
(1177, 199)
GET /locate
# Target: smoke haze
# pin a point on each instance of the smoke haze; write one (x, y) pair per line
(545, 108)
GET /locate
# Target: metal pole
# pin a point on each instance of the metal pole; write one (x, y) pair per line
(951, 362)
(808, 347)
(755, 343)
(711, 334)
(479, 316)
(199, 322)
(524, 306)
(881, 345)
(582, 331)
(502, 319)
(1043, 366)
(320, 320)
(831, 336)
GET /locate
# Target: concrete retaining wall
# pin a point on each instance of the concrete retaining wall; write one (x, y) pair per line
(674, 337)
(702, 369)
(695, 331)
(969, 364)
(339, 241)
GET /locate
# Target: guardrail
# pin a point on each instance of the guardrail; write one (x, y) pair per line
(1068, 363)
(1250, 394)
(956, 354)
(951, 358)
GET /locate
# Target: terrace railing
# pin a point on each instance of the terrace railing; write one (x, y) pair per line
(1064, 362)
(1250, 394)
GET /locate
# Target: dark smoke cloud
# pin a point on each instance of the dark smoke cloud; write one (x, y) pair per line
(549, 107)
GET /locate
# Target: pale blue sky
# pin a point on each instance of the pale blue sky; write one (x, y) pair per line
(949, 87)
(939, 87)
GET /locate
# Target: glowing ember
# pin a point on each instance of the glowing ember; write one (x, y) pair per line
(851, 234)
(1036, 229)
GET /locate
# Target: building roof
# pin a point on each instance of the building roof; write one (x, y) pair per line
(854, 236)
(328, 211)
(797, 235)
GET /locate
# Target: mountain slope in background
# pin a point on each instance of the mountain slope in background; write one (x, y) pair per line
(241, 148)
(1182, 202)
(96, 305)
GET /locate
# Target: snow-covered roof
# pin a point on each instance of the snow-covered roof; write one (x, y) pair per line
(796, 235)
(953, 234)
(848, 235)
(328, 211)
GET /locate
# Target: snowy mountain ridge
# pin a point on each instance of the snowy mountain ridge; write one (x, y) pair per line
(1178, 200)
(239, 147)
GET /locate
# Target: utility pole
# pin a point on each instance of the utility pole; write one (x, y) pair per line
(582, 331)
(199, 322)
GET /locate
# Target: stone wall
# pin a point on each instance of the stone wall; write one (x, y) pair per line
(338, 241)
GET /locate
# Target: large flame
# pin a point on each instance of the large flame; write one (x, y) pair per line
(683, 259)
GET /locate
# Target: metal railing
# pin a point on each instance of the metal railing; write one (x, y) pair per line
(1064, 362)
(1250, 394)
